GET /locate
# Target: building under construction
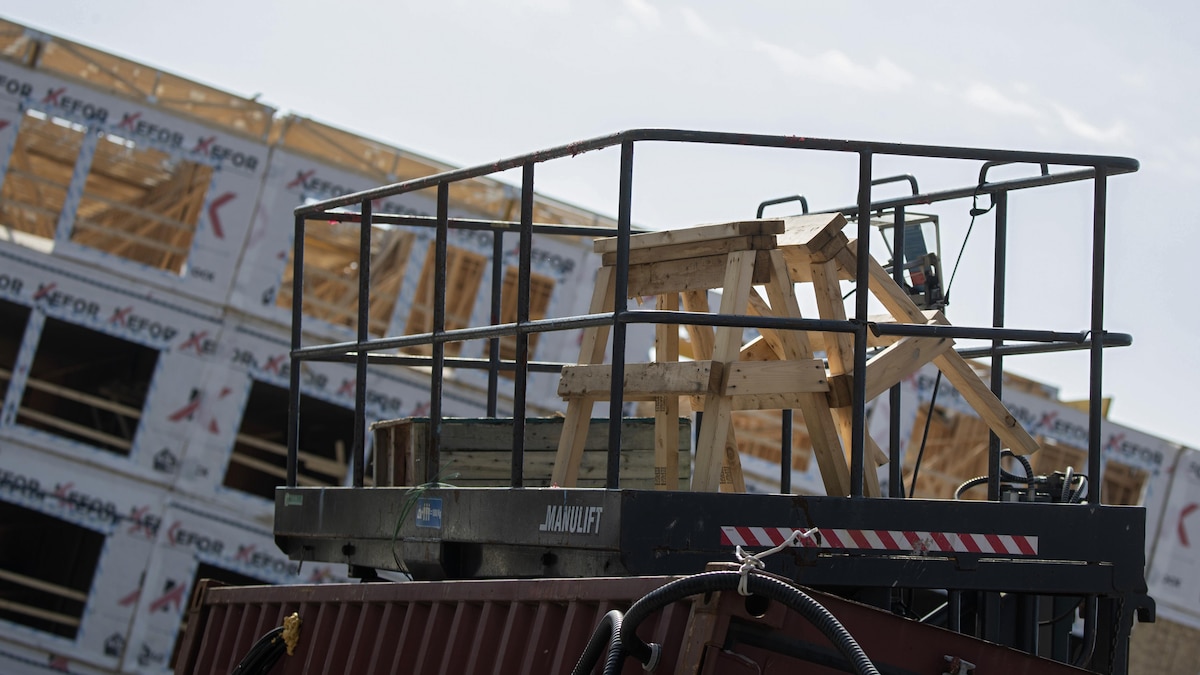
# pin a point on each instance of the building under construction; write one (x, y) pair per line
(148, 217)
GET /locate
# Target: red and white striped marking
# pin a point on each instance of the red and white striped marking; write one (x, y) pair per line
(884, 540)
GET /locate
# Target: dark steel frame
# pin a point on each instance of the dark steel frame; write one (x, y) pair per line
(1104, 601)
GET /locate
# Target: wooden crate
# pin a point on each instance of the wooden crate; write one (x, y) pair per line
(477, 452)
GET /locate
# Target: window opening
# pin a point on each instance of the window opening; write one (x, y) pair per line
(141, 203)
(39, 173)
(331, 273)
(46, 570)
(13, 318)
(87, 386)
(464, 272)
(258, 463)
(540, 289)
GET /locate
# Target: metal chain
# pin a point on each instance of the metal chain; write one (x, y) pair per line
(1116, 634)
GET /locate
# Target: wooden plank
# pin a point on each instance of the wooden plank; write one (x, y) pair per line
(690, 235)
(700, 337)
(715, 427)
(38, 613)
(591, 350)
(695, 274)
(781, 401)
(822, 428)
(666, 408)
(839, 347)
(44, 586)
(827, 446)
(642, 380)
(874, 456)
(954, 367)
(816, 234)
(693, 250)
(78, 396)
(479, 451)
(758, 349)
(900, 360)
(775, 377)
(73, 428)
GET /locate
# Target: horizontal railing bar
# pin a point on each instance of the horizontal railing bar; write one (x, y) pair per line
(1112, 165)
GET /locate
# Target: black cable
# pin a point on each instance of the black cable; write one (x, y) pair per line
(709, 582)
(1060, 617)
(263, 655)
(606, 634)
(1023, 460)
(975, 211)
(912, 485)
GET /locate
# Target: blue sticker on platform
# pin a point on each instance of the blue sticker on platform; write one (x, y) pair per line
(429, 512)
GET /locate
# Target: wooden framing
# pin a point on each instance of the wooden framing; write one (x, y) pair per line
(464, 273)
(331, 274)
(138, 202)
(776, 370)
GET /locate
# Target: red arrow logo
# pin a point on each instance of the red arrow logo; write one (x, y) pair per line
(173, 596)
(212, 213)
(1187, 510)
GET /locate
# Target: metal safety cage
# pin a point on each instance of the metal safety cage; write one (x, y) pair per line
(630, 539)
(363, 350)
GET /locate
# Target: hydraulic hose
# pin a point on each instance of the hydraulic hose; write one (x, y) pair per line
(606, 634)
(709, 582)
(263, 655)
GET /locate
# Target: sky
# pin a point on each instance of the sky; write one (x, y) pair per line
(470, 82)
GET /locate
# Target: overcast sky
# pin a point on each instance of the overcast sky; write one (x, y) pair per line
(469, 82)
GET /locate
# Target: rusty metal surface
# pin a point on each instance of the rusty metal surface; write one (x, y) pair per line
(460, 627)
(740, 637)
(512, 627)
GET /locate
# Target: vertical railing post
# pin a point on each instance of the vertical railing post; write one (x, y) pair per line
(1095, 390)
(360, 360)
(498, 269)
(293, 430)
(895, 458)
(433, 466)
(999, 279)
(861, 296)
(521, 379)
(620, 306)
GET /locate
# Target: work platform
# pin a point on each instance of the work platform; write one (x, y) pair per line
(1004, 566)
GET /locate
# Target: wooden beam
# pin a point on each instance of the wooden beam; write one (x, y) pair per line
(694, 274)
(666, 408)
(693, 250)
(758, 349)
(701, 337)
(643, 381)
(691, 235)
(579, 410)
(816, 234)
(989, 408)
(775, 377)
(44, 586)
(818, 417)
(711, 446)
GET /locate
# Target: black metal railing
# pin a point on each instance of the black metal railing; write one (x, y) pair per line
(364, 350)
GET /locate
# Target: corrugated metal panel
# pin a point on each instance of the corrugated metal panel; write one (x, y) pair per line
(542, 626)
(451, 628)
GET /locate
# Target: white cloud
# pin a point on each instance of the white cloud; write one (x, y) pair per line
(992, 100)
(699, 27)
(645, 13)
(1081, 127)
(834, 66)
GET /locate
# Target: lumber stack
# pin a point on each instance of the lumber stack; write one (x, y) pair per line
(756, 265)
